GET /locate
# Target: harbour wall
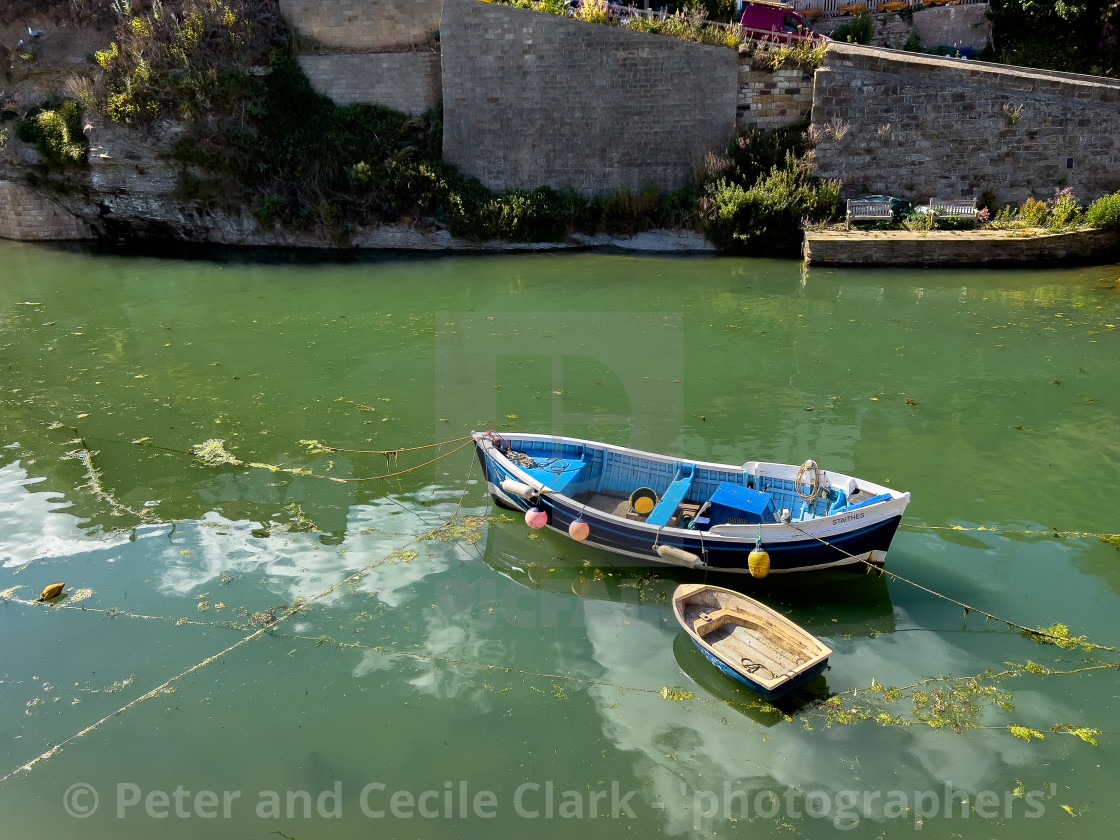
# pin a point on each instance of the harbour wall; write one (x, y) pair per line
(920, 126)
(533, 99)
(28, 215)
(383, 52)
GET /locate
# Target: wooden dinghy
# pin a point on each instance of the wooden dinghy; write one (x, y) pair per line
(748, 641)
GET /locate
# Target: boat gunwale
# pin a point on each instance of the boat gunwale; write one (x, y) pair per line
(816, 527)
(681, 597)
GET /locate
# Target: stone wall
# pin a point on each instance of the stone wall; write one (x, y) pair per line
(964, 27)
(918, 127)
(27, 215)
(364, 24)
(769, 99)
(404, 81)
(943, 247)
(534, 100)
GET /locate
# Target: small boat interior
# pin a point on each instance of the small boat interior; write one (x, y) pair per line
(681, 494)
(752, 639)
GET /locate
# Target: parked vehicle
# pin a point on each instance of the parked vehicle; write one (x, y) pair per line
(776, 22)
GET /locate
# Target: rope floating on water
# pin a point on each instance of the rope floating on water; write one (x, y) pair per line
(316, 446)
(401, 472)
(1113, 539)
(298, 607)
(1035, 632)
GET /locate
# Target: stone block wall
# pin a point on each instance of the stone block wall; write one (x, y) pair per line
(404, 81)
(770, 100)
(27, 215)
(534, 100)
(919, 126)
(364, 24)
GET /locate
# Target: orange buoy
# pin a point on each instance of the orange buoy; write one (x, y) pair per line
(579, 530)
(52, 591)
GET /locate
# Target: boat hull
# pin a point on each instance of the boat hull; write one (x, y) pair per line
(802, 679)
(761, 641)
(851, 538)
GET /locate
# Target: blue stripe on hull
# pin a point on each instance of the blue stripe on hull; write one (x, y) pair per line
(804, 678)
(793, 555)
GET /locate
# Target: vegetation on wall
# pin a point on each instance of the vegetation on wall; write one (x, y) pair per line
(759, 196)
(688, 21)
(55, 127)
(859, 31)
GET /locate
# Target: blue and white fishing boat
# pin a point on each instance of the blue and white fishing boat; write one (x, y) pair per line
(694, 514)
(748, 641)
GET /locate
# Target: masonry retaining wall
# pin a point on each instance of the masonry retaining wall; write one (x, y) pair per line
(920, 127)
(27, 215)
(534, 100)
(983, 247)
(404, 81)
(773, 99)
(368, 24)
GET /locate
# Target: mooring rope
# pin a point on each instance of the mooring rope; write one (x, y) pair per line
(1032, 532)
(402, 472)
(968, 608)
(322, 447)
(297, 607)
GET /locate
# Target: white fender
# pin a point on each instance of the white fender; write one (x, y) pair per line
(678, 556)
(518, 488)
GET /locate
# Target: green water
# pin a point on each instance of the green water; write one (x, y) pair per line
(497, 683)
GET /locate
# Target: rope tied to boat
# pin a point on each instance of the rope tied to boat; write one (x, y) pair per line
(1032, 632)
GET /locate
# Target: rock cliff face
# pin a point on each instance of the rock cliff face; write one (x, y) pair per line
(129, 189)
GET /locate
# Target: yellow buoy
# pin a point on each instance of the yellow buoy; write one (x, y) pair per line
(758, 561)
(52, 591)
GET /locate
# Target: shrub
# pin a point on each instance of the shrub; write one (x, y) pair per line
(1104, 213)
(768, 215)
(56, 129)
(1033, 213)
(1065, 210)
(859, 31)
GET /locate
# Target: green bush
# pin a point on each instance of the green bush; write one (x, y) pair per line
(56, 130)
(1104, 213)
(1065, 211)
(768, 216)
(1034, 213)
(859, 31)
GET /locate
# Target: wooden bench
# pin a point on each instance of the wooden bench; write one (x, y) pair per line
(868, 211)
(953, 208)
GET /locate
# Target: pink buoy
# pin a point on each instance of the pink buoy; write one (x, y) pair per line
(579, 530)
(536, 518)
